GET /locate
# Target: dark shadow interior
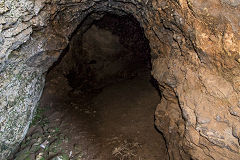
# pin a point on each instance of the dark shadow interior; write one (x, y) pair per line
(110, 49)
(100, 93)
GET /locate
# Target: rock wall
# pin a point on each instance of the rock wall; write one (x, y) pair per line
(195, 49)
(104, 51)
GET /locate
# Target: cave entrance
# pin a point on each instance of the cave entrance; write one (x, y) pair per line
(99, 98)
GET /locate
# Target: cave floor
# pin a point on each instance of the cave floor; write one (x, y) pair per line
(115, 123)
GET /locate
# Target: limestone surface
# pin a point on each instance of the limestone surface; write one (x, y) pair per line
(195, 51)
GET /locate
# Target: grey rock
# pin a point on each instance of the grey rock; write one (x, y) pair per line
(197, 73)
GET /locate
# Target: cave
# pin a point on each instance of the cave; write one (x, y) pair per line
(99, 96)
(186, 51)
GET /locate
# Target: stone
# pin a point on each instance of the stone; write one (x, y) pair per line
(40, 156)
(195, 49)
(62, 157)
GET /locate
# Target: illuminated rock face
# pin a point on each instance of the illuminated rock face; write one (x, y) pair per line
(195, 51)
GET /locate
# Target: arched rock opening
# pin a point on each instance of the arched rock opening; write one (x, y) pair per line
(99, 95)
(195, 59)
(104, 47)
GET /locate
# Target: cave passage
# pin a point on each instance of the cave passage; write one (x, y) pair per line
(99, 98)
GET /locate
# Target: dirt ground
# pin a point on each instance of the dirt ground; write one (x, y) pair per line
(116, 122)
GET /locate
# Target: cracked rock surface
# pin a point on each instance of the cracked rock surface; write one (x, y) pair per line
(195, 52)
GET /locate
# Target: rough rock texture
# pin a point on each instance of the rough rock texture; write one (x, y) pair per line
(195, 49)
(101, 51)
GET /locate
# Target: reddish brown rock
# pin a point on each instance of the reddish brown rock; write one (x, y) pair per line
(195, 57)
